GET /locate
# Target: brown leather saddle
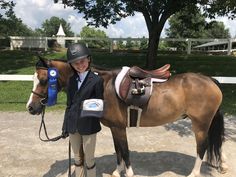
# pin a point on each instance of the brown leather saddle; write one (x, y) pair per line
(135, 87)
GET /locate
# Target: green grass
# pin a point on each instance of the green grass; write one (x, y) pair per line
(14, 95)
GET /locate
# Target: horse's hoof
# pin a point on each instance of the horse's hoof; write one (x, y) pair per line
(115, 174)
(193, 175)
(223, 169)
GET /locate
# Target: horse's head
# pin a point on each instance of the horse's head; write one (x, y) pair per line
(39, 95)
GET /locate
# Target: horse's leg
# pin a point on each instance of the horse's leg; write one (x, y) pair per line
(223, 167)
(122, 151)
(201, 140)
(209, 136)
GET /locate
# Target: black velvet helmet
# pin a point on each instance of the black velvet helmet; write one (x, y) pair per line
(76, 52)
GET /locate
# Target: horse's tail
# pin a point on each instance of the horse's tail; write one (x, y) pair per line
(216, 82)
(215, 138)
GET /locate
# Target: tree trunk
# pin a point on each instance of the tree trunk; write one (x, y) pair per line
(154, 37)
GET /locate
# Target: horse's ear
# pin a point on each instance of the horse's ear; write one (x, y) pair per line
(43, 62)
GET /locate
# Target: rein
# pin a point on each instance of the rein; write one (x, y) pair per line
(49, 99)
(43, 125)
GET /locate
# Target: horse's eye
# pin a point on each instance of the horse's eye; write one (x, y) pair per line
(43, 82)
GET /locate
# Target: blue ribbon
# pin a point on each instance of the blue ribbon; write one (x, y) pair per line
(52, 86)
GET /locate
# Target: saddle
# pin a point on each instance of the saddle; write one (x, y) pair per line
(136, 85)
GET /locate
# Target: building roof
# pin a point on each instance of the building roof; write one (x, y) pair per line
(214, 43)
(61, 31)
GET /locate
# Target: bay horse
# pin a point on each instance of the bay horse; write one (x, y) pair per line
(190, 95)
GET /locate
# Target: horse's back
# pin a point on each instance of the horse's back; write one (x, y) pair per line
(182, 94)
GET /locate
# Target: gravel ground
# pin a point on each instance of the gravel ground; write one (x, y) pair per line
(164, 151)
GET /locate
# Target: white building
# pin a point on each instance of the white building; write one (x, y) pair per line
(60, 36)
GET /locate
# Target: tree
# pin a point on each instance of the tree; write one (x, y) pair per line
(7, 8)
(215, 29)
(129, 43)
(193, 25)
(186, 25)
(143, 43)
(10, 25)
(155, 12)
(50, 27)
(120, 44)
(88, 32)
(221, 8)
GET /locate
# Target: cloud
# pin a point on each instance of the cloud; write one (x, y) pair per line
(230, 24)
(34, 12)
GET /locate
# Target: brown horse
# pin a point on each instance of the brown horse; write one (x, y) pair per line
(184, 95)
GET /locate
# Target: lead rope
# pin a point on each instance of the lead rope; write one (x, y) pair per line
(42, 124)
(69, 151)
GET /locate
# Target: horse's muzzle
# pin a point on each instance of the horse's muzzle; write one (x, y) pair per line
(35, 110)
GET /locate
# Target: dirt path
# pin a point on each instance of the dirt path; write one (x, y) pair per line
(165, 151)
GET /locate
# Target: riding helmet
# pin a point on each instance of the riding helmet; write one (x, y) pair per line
(76, 52)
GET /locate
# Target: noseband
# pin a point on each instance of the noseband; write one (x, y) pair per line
(44, 97)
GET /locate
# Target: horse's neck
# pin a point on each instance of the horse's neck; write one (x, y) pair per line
(107, 75)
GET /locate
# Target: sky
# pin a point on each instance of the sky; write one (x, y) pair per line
(34, 12)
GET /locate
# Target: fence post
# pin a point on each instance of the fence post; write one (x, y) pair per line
(46, 44)
(11, 44)
(189, 46)
(229, 46)
(111, 46)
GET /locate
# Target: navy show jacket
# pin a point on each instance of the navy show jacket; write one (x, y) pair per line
(92, 87)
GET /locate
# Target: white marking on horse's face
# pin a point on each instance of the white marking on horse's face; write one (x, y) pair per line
(36, 82)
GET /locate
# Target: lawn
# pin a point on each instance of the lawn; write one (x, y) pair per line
(14, 95)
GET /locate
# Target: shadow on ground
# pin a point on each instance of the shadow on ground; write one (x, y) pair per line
(183, 127)
(143, 163)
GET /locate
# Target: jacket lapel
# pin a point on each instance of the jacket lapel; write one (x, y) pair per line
(87, 81)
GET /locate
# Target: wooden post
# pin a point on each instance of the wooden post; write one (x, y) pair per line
(229, 46)
(189, 46)
(11, 43)
(46, 44)
(111, 46)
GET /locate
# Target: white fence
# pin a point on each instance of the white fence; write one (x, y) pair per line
(10, 77)
(42, 42)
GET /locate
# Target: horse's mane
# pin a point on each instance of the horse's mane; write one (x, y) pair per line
(62, 60)
(45, 63)
(101, 67)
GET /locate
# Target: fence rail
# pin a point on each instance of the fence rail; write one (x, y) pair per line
(11, 77)
(42, 42)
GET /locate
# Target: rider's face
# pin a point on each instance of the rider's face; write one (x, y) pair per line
(81, 65)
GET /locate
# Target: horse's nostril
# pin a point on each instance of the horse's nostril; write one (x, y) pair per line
(30, 108)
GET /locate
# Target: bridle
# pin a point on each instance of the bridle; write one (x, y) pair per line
(43, 102)
(44, 97)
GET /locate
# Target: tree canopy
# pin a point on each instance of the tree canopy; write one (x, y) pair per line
(193, 25)
(186, 25)
(10, 25)
(50, 27)
(155, 13)
(88, 32)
